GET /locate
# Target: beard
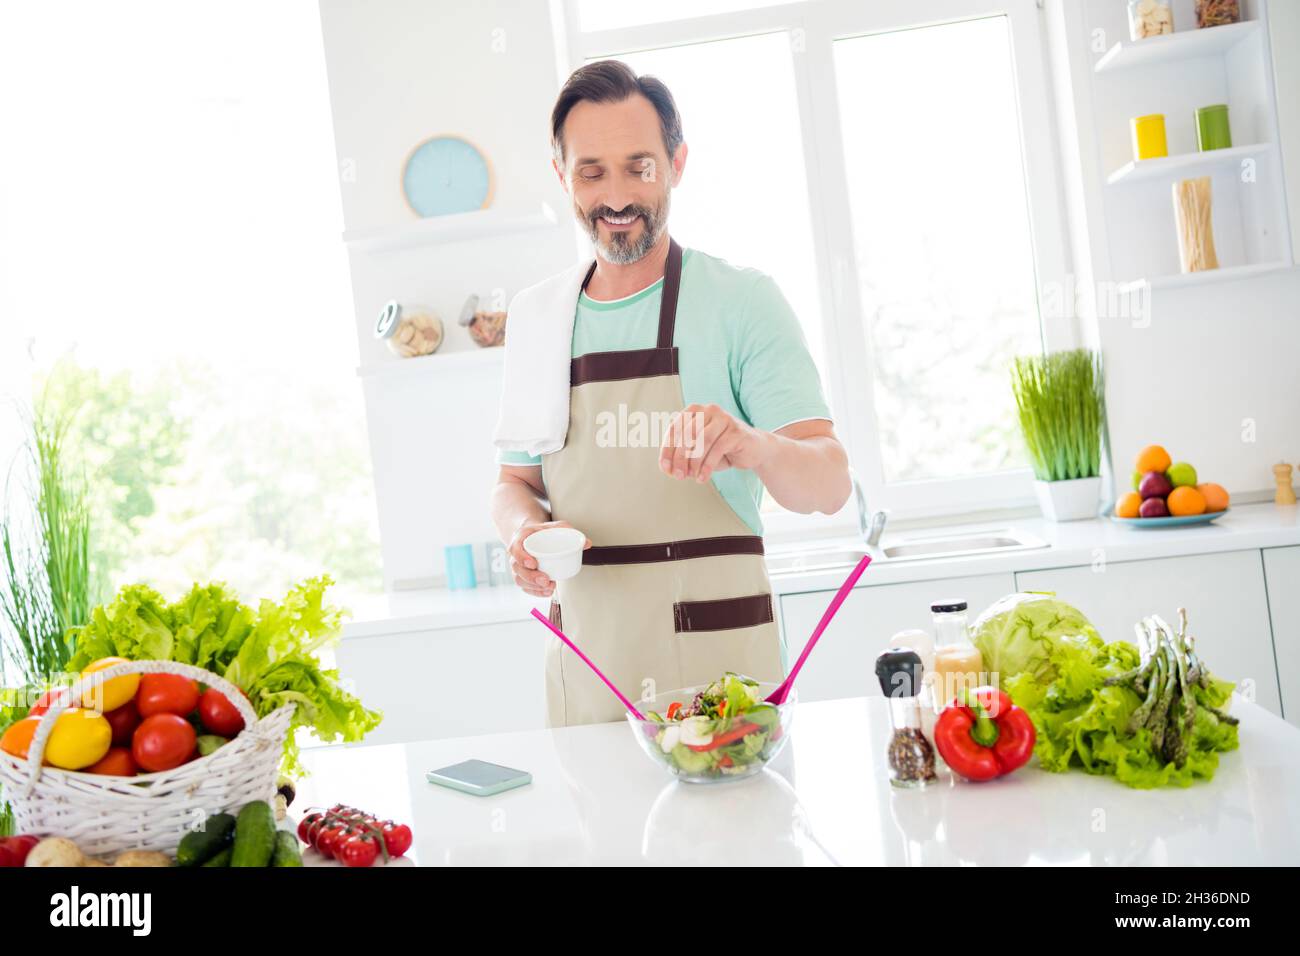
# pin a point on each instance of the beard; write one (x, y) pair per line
(622, 248)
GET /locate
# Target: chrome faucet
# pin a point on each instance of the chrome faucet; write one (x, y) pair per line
(870, 525)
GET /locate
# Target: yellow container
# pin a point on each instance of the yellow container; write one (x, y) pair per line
(1149, 136)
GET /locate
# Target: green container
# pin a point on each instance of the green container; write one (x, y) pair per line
(1212, 127)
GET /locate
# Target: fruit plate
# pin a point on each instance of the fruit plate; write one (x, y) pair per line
(1169, 521)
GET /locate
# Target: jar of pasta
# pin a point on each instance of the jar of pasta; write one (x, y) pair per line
(1216, 13)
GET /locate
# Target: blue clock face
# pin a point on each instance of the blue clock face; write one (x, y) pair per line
(446, 175)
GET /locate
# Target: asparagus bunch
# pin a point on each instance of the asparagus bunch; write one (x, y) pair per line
(1167, 680)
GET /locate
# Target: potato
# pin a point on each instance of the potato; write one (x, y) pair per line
(93, 861)
(55, 851)
(142, 858)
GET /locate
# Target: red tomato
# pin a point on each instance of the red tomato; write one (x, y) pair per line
(123, 720)
(118, 762)
(397, 837)
(166, 694)
(307, 827)
(360, 849)
(17, 848)
(329, 836)
(162, 741)
(43, 702)
(218, 714)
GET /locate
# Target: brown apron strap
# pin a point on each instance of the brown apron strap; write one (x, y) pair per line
(668, 299)
(673, 550)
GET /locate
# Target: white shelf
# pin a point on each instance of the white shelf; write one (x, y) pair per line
(1167, 167)
(435, 364)
(1183, 280)
(460, 227)
(1181, 45)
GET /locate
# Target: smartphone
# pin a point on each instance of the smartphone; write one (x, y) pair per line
(479, 777)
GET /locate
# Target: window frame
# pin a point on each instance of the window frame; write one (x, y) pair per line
(812, 27)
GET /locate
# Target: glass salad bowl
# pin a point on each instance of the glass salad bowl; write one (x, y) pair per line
(724, 731)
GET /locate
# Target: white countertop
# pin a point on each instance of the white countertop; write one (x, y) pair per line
(596, 798)
(1068, 544)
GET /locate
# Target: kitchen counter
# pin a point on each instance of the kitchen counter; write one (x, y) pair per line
(596, 798)
(1068, 544)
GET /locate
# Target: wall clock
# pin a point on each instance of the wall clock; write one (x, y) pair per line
(446, 175)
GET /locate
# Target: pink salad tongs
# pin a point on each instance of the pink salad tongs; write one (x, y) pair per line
(779, 695)
(586, 660)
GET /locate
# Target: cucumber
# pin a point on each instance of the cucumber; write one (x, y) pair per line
(198, 846)
(286, 850)
(222, 858)
(254, 835)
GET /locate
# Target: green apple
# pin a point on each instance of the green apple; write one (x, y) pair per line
(1137, 477)
(1180, 474)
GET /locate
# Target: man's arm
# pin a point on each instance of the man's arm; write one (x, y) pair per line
(519, 507)
(803, 466)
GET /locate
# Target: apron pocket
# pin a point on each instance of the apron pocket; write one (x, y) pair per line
(554, 615)
(723, 614)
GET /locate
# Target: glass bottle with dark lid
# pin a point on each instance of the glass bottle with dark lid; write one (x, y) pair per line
(910, 755)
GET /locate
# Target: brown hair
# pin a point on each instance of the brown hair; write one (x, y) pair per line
(609, 81)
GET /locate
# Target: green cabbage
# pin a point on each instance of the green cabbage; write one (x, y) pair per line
(1017, 633)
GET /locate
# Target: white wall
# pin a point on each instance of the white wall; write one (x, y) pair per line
(399, 72)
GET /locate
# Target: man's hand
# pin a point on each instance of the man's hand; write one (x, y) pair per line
(703, 439)
(524, 566)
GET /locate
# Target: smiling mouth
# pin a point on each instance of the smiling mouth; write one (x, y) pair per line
(619, 222)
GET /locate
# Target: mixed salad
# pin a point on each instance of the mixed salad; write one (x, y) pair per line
(725, 730)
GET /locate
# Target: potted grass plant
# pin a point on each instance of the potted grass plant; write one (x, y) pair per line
(1061, 403)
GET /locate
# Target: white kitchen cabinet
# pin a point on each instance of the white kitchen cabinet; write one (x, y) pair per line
(843, 663)
(1282, 575)
(1227, 608)
(449, 682)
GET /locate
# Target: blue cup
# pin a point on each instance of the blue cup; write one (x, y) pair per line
(460, 567)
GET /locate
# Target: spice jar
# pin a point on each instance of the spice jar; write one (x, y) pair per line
(409, 330)
(1216, 13)
(910, 755)
(1149, 18)
(487, 329)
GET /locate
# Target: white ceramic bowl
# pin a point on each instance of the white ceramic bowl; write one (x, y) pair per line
(558, 551)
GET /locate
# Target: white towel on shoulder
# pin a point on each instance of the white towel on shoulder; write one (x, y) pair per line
(534, 414)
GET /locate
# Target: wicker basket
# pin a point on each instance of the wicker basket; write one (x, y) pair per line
(152, 811)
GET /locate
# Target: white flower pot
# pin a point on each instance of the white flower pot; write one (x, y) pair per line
(1070, 500)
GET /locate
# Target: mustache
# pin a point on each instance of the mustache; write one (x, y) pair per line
(634, 210)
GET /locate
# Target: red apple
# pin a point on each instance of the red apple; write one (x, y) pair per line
(1155, 484)
(1154, 507)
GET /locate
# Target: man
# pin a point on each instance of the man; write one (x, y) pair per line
(673, 590)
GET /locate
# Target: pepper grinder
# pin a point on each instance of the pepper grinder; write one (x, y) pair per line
(911, 757)
(1285, 493)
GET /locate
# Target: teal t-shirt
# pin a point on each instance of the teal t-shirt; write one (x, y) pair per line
(740, 347)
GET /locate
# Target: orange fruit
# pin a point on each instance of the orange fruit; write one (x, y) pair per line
(1153, 458)
(1186, 501)
(1128, 505)
(1216, 496)
(18, 737)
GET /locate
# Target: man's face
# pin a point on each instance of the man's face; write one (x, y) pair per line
(619, 176)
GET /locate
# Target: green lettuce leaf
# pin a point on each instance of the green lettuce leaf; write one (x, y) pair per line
(1017, 633)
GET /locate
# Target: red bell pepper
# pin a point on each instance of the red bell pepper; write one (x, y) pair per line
(982, 734)
(730, 737)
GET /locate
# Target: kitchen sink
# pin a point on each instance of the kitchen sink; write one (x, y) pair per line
(906, 548)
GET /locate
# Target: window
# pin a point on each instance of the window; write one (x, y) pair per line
(897, 179)
(943, 248)
(171, 245)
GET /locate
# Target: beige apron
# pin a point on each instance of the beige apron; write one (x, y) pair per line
(674, 590)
